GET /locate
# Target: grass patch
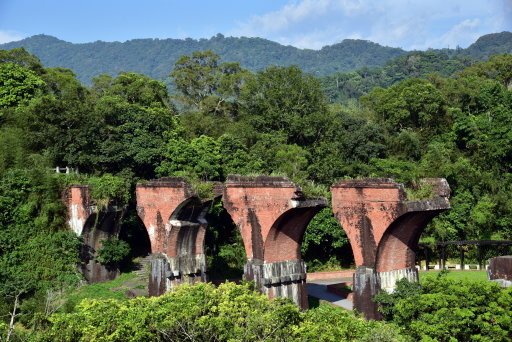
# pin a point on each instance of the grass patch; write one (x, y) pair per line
(456, 275)
(114, 289)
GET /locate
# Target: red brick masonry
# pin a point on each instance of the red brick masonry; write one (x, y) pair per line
(384, 229)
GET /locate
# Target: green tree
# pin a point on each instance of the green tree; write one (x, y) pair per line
(200, 158)
(324, 243)
(21, 57)
(112, 251)
(413, 103)
(208, 86)
(37, 253)
(17, 84)
(285, 100)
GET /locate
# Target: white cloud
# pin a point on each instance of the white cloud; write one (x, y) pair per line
(285, 17)
(401, 23)
(10, 36)
(462, 34)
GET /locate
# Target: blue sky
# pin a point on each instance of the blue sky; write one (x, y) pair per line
(409, 24)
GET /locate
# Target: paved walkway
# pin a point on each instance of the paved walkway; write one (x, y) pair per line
(318, 289)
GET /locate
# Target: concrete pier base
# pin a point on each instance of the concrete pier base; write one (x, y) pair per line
(286, 279)
(167, 273)
(388, 279)
(365, 287)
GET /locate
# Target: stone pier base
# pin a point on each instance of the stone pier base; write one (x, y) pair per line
(280, 279)
(388, 279)
(160, 273)
(365, 287)
(167, 273)
(368, 282)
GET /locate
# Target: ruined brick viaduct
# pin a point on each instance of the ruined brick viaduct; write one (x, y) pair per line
(94, 225)
(272, 215)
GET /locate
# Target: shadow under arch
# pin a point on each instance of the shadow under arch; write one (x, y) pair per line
(99, 226)
(136, 235)
(188, 210)
(224, 247)
(187, 221)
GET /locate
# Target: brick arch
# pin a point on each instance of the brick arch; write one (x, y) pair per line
(285, 237)
(272, 214)
(174, 218)
(397, 247)
(186, 228)
(384, 227)
(93, 224)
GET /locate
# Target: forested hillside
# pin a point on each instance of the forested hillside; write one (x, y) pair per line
(346, 86)
(226, 119)
(155, 57)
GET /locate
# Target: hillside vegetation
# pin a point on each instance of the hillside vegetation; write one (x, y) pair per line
(225, 119)
(155, 57)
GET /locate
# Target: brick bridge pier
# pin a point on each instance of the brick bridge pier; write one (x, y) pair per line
(272, 215)
(384, 229)
(94, 225)
(174, 219)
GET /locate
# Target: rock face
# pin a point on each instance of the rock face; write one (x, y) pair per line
(272, 215)
(500, 270)
(94, 225)
(384, 229)
(174, 219)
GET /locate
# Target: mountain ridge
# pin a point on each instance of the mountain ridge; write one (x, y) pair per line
(155, 57)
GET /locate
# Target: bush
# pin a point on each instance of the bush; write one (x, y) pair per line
(203, 312)
(387, 301)
(112, 251)
(329, 323)
(446, 310)
(109, 189)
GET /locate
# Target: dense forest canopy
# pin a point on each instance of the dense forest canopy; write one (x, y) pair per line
(425, 114)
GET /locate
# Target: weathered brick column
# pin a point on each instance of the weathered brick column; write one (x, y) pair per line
(174, 218)
(384, 229)
(272, 215)
(94, 225)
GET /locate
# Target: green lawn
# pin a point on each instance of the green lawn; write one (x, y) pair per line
(114, 289)
(457, 275)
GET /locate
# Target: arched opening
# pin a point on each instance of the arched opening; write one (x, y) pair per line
(224, 247)
(136, 235)
(186, 236)
(328, 254)
(325, 246)
(285, 237)
(188, 210)
(99, 226)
